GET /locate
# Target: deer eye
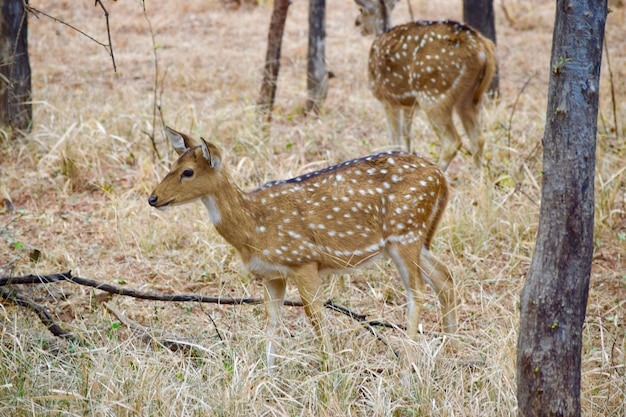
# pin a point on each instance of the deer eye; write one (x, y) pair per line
(188, 173)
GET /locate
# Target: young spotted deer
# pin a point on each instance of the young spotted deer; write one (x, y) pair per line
(437, 66)
(335, 219)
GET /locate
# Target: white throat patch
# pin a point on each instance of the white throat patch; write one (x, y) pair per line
(214, 213)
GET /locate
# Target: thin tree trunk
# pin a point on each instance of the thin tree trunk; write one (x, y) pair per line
(479, 14)
(554, 298)
(317, 76)
(272, 58)
(15, 79)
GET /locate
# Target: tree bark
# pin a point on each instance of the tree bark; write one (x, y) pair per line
(317, 76)
(479, 15)
(15, 79)
(554, 298)
(272, 58)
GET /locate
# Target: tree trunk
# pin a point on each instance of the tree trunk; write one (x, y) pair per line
(317, 76)
(272, 58)
(15, 83)
(554, 298)
(479, 14)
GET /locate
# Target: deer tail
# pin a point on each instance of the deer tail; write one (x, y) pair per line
(489, 69)
(437, 214)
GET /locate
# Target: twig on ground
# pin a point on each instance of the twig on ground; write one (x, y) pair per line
(67, 276)
(360, 317)
(214, 324)
(34, 279)
(7, 224)
(146, 335)
(168, 297)
(367, 324)
(44, 315)
(113, 289)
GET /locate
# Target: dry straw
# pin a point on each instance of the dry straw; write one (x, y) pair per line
(79, 185)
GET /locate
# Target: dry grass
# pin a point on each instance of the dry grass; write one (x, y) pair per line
(80, 181)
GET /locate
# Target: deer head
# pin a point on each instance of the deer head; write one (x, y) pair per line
(197, 160)
(374, 16)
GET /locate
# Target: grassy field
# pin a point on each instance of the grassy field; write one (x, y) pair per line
(79, 184)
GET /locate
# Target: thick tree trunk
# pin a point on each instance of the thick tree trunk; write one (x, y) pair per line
(479, 14)
(317, 76)
(15, 83)
(554, 298)
(272, 58)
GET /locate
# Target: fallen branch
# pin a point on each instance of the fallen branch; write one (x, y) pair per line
(44, 315)
(67, 276)
(148, 337)
(34, 279)
(113, 289)
(362, 319)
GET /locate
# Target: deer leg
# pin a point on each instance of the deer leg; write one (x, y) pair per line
(395, 123)
(309, 286)
(274, 298)
(468, 113)
(413, 283)
(438, 277)
(407, 119)
(444, 128)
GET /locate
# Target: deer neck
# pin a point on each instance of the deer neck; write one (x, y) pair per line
(385, 17)
(230, 213)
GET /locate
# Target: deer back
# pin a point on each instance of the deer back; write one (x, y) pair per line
(345, 215)
(429, 63)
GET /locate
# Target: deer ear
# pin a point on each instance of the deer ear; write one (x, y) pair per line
(179, 141)
(211, 153)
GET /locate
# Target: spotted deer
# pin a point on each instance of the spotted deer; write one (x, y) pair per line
(336, 219)
(438, 66)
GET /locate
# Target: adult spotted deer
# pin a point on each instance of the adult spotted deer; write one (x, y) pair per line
(437, 66)
(335, 219)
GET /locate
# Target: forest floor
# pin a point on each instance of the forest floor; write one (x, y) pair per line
(74, 197)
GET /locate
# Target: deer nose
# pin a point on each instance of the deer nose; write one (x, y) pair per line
(152, 200)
